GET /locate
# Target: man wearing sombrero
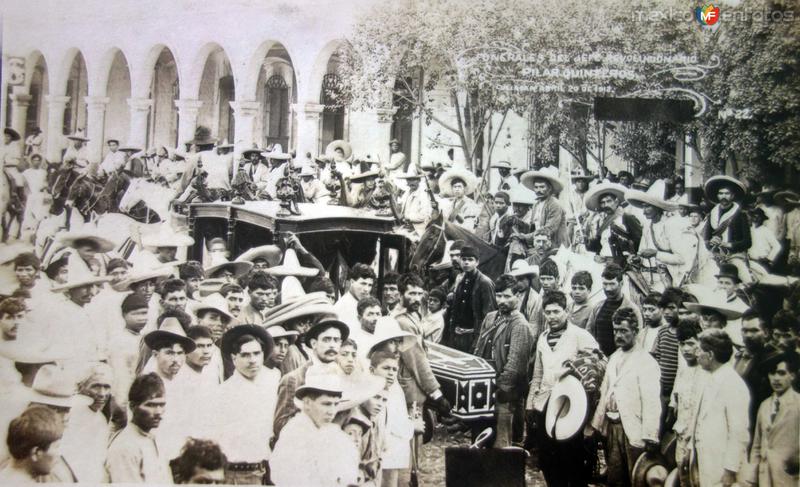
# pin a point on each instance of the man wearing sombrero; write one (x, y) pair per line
(76, 157)
(728, 231)
(414, 206)
(507, 180)
(547, 211)
(457, 183)
(616, 233)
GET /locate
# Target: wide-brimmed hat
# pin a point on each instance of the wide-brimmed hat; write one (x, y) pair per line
(291, 288)
(270, 253)
(55, 386)
(238, 268)
(787, 197)
(567, 409)
(130, 148)
(10, 251)
(13, 133)
(167, 237)
(139, 275)
(323, 325)
(25, 351)
(716, 302)
(361, 176)
(549, 174)
(312, 304)
(79, 276)
(77, 136)
(171, 330)
(208, 287)
(291, 267)
(446, 181)
(278, 331)
(326, 383)
(683, 201)
(277, 154)
(214, 302)
(202, 136)
(650, 470)
(307, 170)
(230, 337)
(253, 150)
(387, 328)
(103, 244)
(521, 195)
(523, 268)
(330, 150)
(409, 174)
(592, 197)
(501, 165)
(654, 196)
(357, 417)
(714, 184)
(225, 144)
(578, 172)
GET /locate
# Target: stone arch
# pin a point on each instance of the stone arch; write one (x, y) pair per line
(73, 82)
(333, 121)
(271, 81)
(117, 88)
(37, 85)
(213, 82)
(163, 89)
(320, 67)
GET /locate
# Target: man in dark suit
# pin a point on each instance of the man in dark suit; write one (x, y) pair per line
(728, 231)
(472, 300)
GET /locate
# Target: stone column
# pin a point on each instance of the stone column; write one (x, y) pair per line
(187, 119)
(19, 111)
(693, 170)
(244, 115)
(95, 126)
(55, 123)
(308, 127)
(370, 132)
(140, 108)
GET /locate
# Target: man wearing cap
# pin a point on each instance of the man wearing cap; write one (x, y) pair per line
(133, 454)
(124, 344)
(251, 393)
(560, 461)
(113, 161)
(324, 338)
(728, 231)
(505, 342)
(547, 212)
(329, 456)
(283, 339)
(629, 409)
(472, 300)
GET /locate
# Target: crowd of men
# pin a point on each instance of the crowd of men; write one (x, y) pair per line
(257, 369)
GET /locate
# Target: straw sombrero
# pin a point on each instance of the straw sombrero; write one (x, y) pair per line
(270, 253)
(291, 267)
(346, 148)
(567, 409)
(103, 244)
(446, 181)
(593, 195)
(549, 174)
(654, 196)
(714, 184)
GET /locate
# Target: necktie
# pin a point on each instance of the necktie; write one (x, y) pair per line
(776, 405)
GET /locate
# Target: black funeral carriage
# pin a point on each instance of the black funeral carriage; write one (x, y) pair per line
(341, 237)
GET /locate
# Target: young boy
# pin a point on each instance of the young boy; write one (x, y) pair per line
(33, 440)
(347, 356)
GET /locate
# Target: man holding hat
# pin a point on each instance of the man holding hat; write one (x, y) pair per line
(324, 338)
(329, 457)
(728, 230)
(251, 392)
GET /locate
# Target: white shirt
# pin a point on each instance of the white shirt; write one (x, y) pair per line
(113, 162)
(764, 244)
(347, 310)
(308, 456)
(85, 443)
(247, 408)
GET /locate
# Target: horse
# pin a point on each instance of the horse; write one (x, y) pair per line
(157, 198)
(92, 196)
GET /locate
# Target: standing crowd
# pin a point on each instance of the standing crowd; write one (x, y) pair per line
(678, 318)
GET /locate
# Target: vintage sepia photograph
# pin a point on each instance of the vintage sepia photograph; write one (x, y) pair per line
(374, 243)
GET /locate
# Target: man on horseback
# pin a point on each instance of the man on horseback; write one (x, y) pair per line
(10, 156)
(617, 233)
(727, 234)
(114, 160)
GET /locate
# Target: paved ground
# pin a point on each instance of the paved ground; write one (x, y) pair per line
(432, 459)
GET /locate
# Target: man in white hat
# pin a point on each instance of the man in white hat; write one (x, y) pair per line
(415, 204)
(76, 155)
(397, 161)
(329, 456)
(629, 410)
(507, 180)
(666, 252)
(728, 231)
(245, 405)
(313, 189)
(529, 299)
(616, 232)
(462, 210)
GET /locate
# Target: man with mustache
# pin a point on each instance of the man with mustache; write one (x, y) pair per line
(505, 341)
(133, 455)
(547, 212)
(250, 392)
(415, 376)
(324, 338)
(616, 233)
(629, 409)
(728, 231)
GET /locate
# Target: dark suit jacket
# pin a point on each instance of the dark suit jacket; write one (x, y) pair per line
(738, 233)
(285, 409)
(482, 303)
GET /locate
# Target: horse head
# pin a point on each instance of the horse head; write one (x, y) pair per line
(132, 195)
